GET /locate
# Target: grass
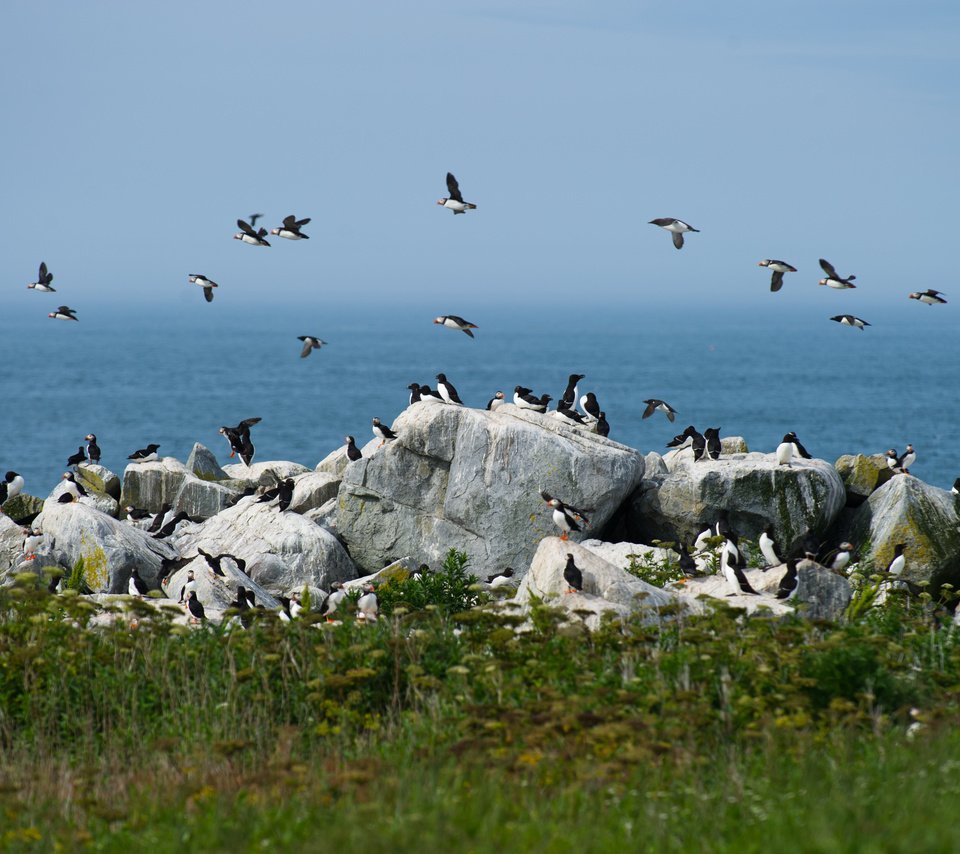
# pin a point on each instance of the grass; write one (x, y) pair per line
(439, 730)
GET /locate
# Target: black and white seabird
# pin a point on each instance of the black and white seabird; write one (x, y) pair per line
(834, 279)
(353, 452)
(798, 448)
(790, 582)
(291, 228)
(248, 235)
(188, 586)
(564, 411)
(495, 402)
(145, 455)
(93, 449)
(451, 321)
(207, 284)
(414, 393)
(171, 526)
(239, 439)
(11, 485)
(135, 514)
(447, 390)
(571, 393)
(195, 607)
(32, 541)
(523, 398)
(907, 459)
(603, 428)
(72, 487)
(136, 586)
(213, 562)
(310, 343)
(681, 440)
(955, 489)
(336, 595)
(254, 217)
(64, 312)
(382, 432)
(500, 579)
(676, 227)
(779, 268)
(735, 577)
(573, 576)
(767, 548)
(899, 561)
(785, 451)
(851, 320)
(929, 297)
(455, 202)
(43, 281)
(654, 404)
(428, 395)
(368, 606)
(565, 517)
(77, 458)
(840, 558)
(590, 406)
(157, 522)
(285, 493)
(711, 437)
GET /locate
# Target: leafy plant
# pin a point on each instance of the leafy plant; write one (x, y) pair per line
(451, 589)
(656, 571)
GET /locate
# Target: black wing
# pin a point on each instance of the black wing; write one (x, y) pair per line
(651, 407)
(45, 278)
(453, 188)
(777, 281)
(246, 228)
(208, 294)
(828, 269)
(247, 423)
(290, 222)
(301, 222)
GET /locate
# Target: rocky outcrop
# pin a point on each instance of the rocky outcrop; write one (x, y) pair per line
(623, 554)
(471, 479)
(803, 497)
(214, 591)
(203, 464)
(21, 507)
(11, 543)
(110, 549)
(149, 486)
(282, 550)
(97, 478)
(313, 490)
(861, 475)
(907, 510)
(201, 499)
(264, 474)
(104, 503)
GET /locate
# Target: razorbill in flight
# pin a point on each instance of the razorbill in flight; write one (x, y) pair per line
(790, 582)
(676, 227)
(451, 321)
(145, 455)
(291, 228)
(779, 268)
(310, 343)
(455, 202)
(43, 281)
(447, 391)
(382, 432)
(929, 296)
(239, 439)
(64, 312)
(93, 449)
(833, 278)
(850, 320)
(207, 284)
(353, 452)
(654, 404)
(573, 576)
(248, 235)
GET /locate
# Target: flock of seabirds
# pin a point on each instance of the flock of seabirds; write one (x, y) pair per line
(716, 547)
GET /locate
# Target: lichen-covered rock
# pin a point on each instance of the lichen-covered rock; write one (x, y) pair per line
(471, 480)
(204, 465)
(336, 461)
(268, 473)
(282, 550)
(797, 499)
(325, 515)
(97, 478)
(313, 490)
(204, 498)
(861, 475)
(149, 486)
(733, 445)
(110, 548)
(21, 507)
(654, 465)
(907, 510)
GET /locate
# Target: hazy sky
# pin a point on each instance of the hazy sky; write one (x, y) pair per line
(135, 134)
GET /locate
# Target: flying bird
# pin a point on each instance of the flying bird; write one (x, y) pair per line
(455, 202)
(310, 343)
(43, 281)
(654, 404)
(291, 228)
(451, 321)
(254, 218)
(929, 297)
(779, 268)
(248, 235)
(239, 439)
(676, 227)
(850, 320)
(834, 279)
(64, 312)
(207, 284)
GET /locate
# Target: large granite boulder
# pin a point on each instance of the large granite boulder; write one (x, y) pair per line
(471, 479)
(22, 507)
(268, 473)
(214, 591)
(110, 548)
(97, 478)
(313, 490)
(861, 475)
(797, 499)
(282, 550)
(11, 543)
(204, 465)
(149, 486)
(103, 502)
(907, 510)
(201, 499)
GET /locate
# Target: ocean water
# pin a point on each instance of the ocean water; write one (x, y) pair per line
(175, 375)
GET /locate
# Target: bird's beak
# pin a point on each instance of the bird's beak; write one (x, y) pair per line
(441, 201)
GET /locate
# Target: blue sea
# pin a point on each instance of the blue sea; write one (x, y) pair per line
(174, 375)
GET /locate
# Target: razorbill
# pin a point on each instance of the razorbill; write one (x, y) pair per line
(495, 402)
(851, 320)
(77, 458)
(699, 444)
(681, 440)
(291, 228)
(767, 548)
(603, 428)
(157, 522)
(239, 439)
(711, 437)
(93, 449)
(428, 395)
(779, 268)
(382, 432)
(735, 577)
(451, 321)
(523, 398)
(367, 605)
(790, 583)
(897, 564)
(500, 579)
(563, 411)
(676, 227)
(207, 284)
(43, 281)
(10, 486)
(414, 393)
(310, 343)
(248, 235)
(929, 296)
(447, 390)
(171, 526)
(64, 312)
(195, 607)
(136, 586)
(571, 393)
(833, 278)
(955, 489)
(353, 452)
(455, 202)
(135, 514)
(573, 576)
(145, 455)
(590, 406)
(654, 404)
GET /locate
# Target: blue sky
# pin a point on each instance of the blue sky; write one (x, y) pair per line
(136, 134)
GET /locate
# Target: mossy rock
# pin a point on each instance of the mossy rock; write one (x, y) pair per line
(862, 475)
(97, 478)
(22, 507)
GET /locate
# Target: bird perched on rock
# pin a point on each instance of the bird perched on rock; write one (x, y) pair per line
(603, 428)
(310, 343)
(32, 541)
(73, 489)
(447, 391)
(291, 228)
(336, 595)
(573, 576)
(136, 586)
(93, 449)
(11, 485)
(907, 459)
(451, 321)
(64, 312)
(353, 452)
(368, 606)
(44, 278)
(590, 406)
(145, 455)
(779, 268)
(382, 432)
(689, 435)
(414, 393)
(955, 489)
(928, 297)
(207, 284)
(734, 575)
(654, 404)
(188, 586)
(168, 528)
(248, 235)
(565, 516)
(523, 398)
(567, 414)
(676, 227)
(195, 607)
(571, 392)
(790, 582)
(711, 437)
(135, 514)
(500, 579)
(455, 201)
(495, 402)
(428, 395)
(214, 561)
(838, 559)
(834, 279)
(77, 458)
(798, 449)
(157, 522)
(767, 548)
(851, 320)
(784, 451)
(240, 441)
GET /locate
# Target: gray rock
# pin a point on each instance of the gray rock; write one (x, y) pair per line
(623, 554)
(470, 479)
(204, 465)
(861, 475)
(282, 550)
(11, 543)
(336, 461)
(907, 510)
(203, 498)
(110, 548)
(821, 594)
(654, 465)
(103, 503)
(264, 474)
(97, 478)
(313, 490)
(149, 486)
(752, 488)
(696, 592)
(733, 445)
(214, 591)
(22, 507)
(325, 515)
